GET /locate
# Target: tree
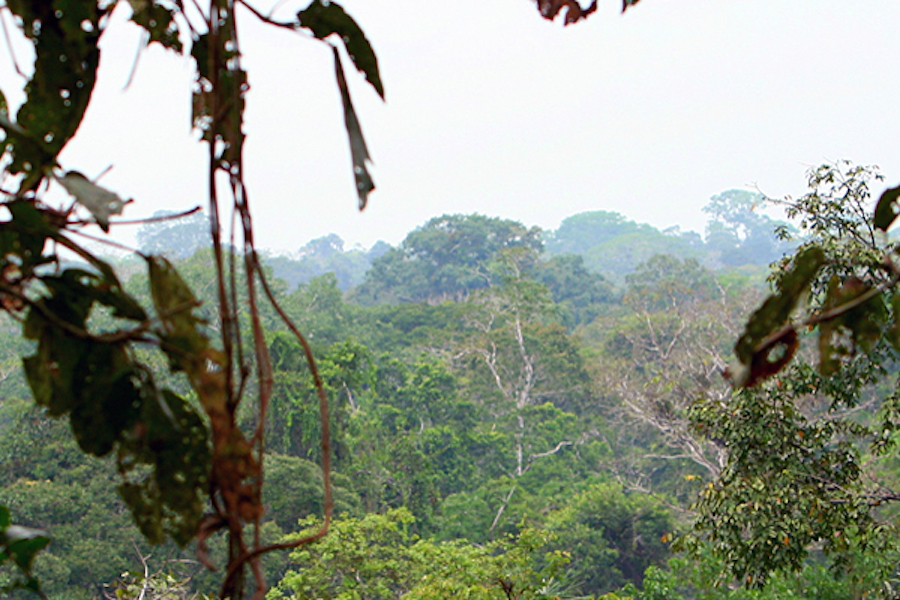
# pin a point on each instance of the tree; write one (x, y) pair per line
(377, 558)
(579, 294)
(445, 259)
(174, 464)
(612, 245)
(173, 235)
(321, 256)
(741, 235)
(801, 467)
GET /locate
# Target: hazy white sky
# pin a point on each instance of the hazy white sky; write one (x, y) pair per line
(491, 109)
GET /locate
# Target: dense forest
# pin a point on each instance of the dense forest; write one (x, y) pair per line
(515, 413)
(487, 410)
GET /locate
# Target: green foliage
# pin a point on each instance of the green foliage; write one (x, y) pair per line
(378, 559)
(611, 537)
(610, 244)
(842, 270)
(579, 294)
(797, 474)
(321, 256)
(445, 259)
(20, 545)
(664, 283)
(790, 481)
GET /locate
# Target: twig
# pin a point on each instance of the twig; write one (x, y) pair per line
(9, 47)
(171, 217)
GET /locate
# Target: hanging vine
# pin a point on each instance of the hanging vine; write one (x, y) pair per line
(187, 470)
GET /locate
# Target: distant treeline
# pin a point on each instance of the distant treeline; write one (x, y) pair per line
(737, 234)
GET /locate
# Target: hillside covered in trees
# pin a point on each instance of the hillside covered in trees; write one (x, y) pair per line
(514, 414)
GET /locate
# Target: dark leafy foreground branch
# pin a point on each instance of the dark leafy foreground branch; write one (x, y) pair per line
(854, 310)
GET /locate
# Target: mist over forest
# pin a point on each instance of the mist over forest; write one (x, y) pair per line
(509, 407)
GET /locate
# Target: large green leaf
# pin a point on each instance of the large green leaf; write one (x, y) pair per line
(758, 352)
(65, 34)
(327, 18)
(172, 438)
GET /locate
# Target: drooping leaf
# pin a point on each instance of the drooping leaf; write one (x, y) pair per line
(158, 21)
(551, 8)
(52, 370)
(108, 398)
(358, 151)
(185, 343)
(98, 200)
(326, 18)
(887, 208)
(175, 303)
(73, 373)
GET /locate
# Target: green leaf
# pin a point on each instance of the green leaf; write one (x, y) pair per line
(172, 438)
(180, 330)
(857, 329)
(23, 544)
(758, 355)
(358, 151)
(158, 21)
(326, 18)
(65, 34)
(108, 398)
(886, 209)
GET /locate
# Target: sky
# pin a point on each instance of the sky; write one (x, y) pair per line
(492, 109)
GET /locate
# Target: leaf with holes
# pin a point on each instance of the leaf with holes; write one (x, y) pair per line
(759, 354)
(170, 437)
(65, 34)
